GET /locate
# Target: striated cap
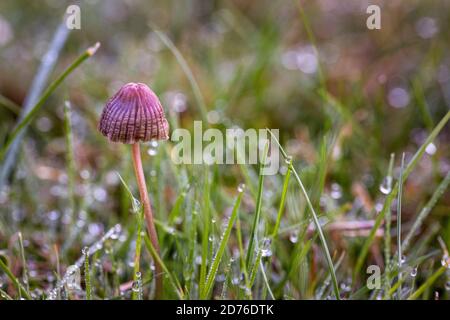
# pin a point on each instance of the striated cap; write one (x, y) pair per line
(134, 114)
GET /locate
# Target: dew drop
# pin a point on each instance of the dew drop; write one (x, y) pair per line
(152, 152)
(431, 149)
(241, 187)
(136, 205)
(447, 286)
(73, 277)
(445, 261)
(265, 248)
(293, 237)
(85, 251)
(386, 185)
(413, 272)
(170, 230)
(137, 286)
(402, 260)
(336, 191)
(345, 287)
(288, 160)
(116, 232)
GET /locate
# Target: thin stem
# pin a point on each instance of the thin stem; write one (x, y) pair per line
(139, 172)
(37, 86)
(399, 226)
(23, 123)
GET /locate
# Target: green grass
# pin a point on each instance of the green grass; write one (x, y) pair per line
(322, 217)
(51, 88)
(219, 254)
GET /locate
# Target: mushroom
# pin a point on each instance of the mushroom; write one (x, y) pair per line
(132, 115)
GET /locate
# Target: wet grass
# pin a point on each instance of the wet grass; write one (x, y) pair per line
(227, 231)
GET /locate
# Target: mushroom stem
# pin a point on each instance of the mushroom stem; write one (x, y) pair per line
(139, 172)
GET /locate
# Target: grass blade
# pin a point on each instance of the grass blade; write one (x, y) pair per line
(266, 281)
(137, 254)
(323, 241)
(254, 270)
(312, 39)
(258, 208)
(387, 232)
(241, 253)
(427, 283)
(426, 210)
(399, 224)
(205, 232)
(187, 71)
(222, 246)
(87, 274)
(139, 211)
(37, 107)
(282, 202)
(70, 158)
(14, 280)
(24, 263)
(174, 281)
(387, 203)
(5, 296)
(10, 105)
(40, 79)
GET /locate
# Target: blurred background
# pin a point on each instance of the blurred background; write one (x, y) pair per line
(314, 71)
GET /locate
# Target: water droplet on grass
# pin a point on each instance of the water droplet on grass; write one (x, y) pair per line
(73, 277)
(336, 191)
(265, 248)
(293, 237)
(431, 149)
(152, 152)
(445, 261)
(386, 185)
(447, 286)
(116, 232)
(402, 260)
(241, 187)
(85, 251)
(137, 286)
(288, 160)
